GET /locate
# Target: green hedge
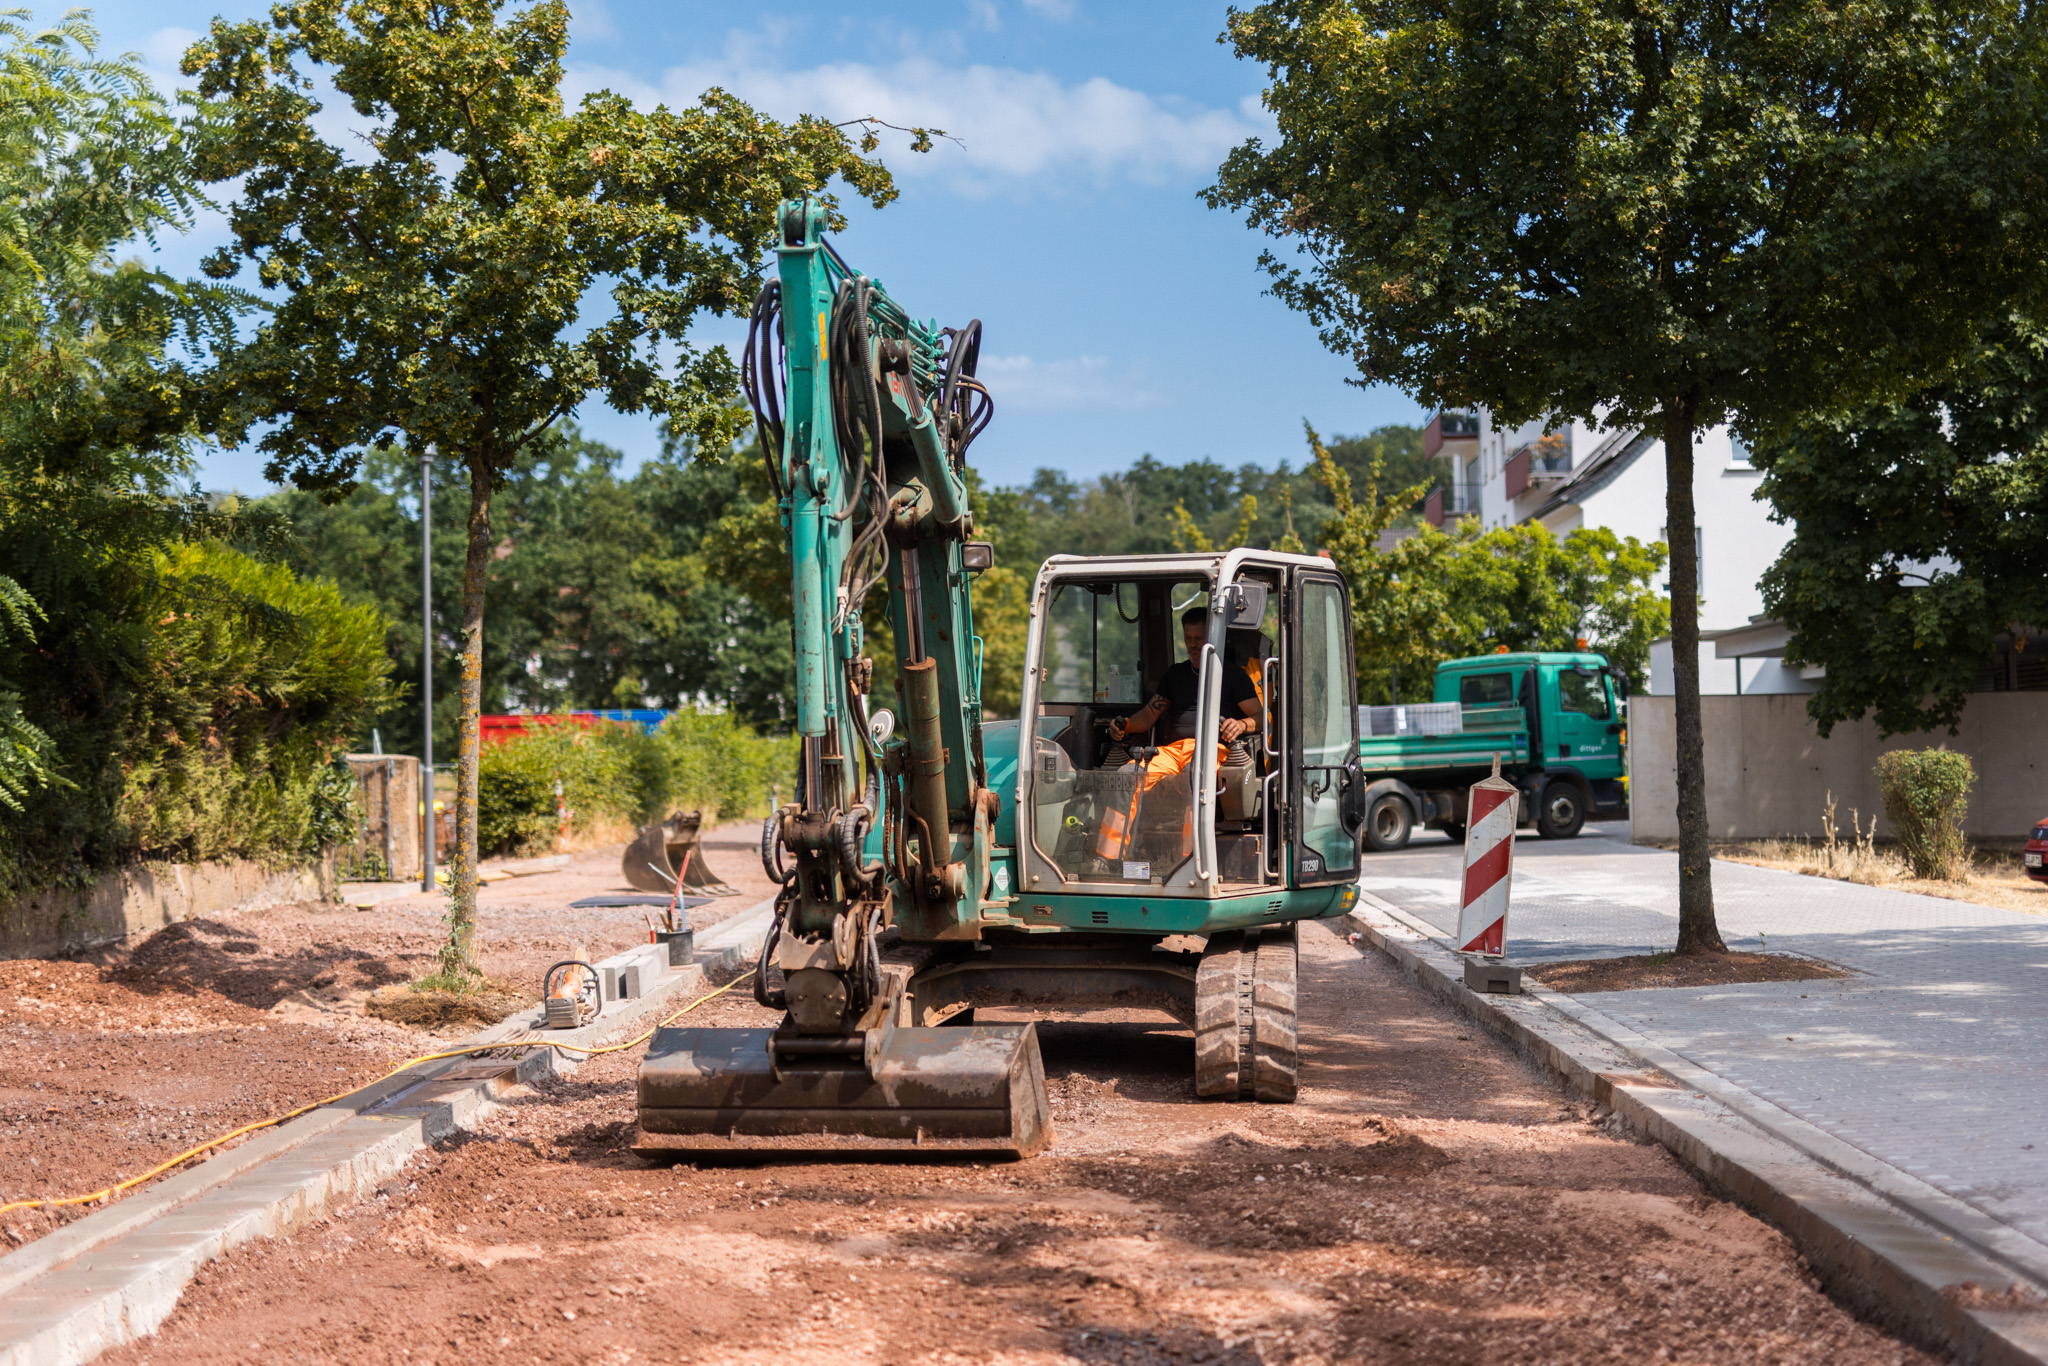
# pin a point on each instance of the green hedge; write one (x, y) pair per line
(696, 761)
(197, 702)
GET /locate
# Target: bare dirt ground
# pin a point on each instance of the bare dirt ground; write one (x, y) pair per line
(1637, 971)
(1426, 1201)
(102, 1075)
(113, 1064)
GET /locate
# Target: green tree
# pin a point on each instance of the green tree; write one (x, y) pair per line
(434, 282)
(1663, 215)
(1401, 607)
(92, 162)
(1524, 588)
(1918, 528)
(605, 591)
(1436, 595)
(104, 383)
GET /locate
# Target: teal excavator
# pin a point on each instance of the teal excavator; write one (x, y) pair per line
(939, 864)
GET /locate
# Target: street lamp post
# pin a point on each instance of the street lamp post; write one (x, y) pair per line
(427, 666)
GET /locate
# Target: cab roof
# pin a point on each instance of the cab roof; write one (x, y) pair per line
(1524, 657)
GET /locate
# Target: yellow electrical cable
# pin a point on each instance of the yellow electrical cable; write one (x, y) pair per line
(528, 1042)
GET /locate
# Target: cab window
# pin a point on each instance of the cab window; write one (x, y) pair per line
(1582, 693)
(1486, 690)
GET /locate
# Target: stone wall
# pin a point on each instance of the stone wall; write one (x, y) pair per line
(1769, 772)
(140, 900)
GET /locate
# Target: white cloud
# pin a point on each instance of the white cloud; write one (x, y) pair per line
(590, 21)
(165, 48)
(1081, 382)
(1012, 125)
(1051, 9)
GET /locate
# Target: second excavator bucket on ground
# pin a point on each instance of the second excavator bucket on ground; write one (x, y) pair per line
(948, 1090)
(657, 854)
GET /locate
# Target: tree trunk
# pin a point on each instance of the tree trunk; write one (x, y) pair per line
(1697, 932)
(458, 956)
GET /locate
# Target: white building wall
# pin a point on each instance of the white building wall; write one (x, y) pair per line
(1738, 539)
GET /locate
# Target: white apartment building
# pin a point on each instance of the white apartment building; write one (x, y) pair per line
(1580, 475)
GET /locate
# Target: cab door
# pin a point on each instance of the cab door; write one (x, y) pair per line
(1588, 733)
(1326, 788)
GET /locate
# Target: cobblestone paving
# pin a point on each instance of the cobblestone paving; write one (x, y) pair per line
(1932, 1057)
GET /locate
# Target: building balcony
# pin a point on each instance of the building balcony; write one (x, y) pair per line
(1448, 505)
(1453, 427)
(1540, 463)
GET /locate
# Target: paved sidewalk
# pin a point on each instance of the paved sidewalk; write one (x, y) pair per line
(1931, 1057)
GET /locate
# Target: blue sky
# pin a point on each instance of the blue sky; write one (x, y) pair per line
(1121, 315)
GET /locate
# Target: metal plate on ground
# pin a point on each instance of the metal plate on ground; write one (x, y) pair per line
(635, 899)
(976, 1088)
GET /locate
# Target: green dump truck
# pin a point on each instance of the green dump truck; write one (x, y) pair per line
(1555, 720)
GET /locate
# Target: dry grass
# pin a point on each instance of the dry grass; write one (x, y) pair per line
(1994, 877)
(429, 1009)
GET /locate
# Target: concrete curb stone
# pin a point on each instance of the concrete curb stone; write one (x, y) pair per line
(1875, 1242)
(117, 1274)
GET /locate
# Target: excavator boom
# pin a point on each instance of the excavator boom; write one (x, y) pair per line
(865, 417)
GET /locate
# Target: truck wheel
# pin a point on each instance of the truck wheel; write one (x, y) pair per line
(1388, 824)
(1246, 1044)
(1562, 811)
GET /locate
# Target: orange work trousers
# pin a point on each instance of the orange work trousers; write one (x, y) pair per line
(1170, 761)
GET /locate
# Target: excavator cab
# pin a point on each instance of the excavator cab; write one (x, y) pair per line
(1185, 814)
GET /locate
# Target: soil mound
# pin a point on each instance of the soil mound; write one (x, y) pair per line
(493, 1002)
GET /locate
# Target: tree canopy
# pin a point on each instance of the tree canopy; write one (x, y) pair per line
(438, 289)
(1918, 528)
(1663, 214)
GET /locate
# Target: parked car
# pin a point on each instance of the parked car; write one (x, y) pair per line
(2036, 855)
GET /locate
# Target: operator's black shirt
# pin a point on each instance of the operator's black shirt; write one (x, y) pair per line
(1181, 686)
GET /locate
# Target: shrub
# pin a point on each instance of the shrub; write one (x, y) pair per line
(609, 773)
(721, 767)
(1926, 793)
(250, 683)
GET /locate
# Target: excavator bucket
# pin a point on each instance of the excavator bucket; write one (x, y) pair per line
(971, 1089)
(659, 852)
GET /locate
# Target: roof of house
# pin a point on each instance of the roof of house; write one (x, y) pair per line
(1600, 469)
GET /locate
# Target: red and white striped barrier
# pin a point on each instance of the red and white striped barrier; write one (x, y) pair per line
(1489, 861)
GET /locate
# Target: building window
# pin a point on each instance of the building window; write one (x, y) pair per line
(1738, 452)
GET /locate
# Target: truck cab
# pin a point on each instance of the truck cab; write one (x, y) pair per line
(1554, 719)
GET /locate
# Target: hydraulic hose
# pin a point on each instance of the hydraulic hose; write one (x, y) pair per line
(775, 999)
(771, 848)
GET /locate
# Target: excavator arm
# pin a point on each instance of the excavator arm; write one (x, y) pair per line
(865, 417)
(869, 466)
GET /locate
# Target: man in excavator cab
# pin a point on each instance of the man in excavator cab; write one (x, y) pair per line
(1172, 717)
(1174, 701)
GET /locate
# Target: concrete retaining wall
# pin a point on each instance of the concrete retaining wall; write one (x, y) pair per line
(1769, 772)
(146, 898)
